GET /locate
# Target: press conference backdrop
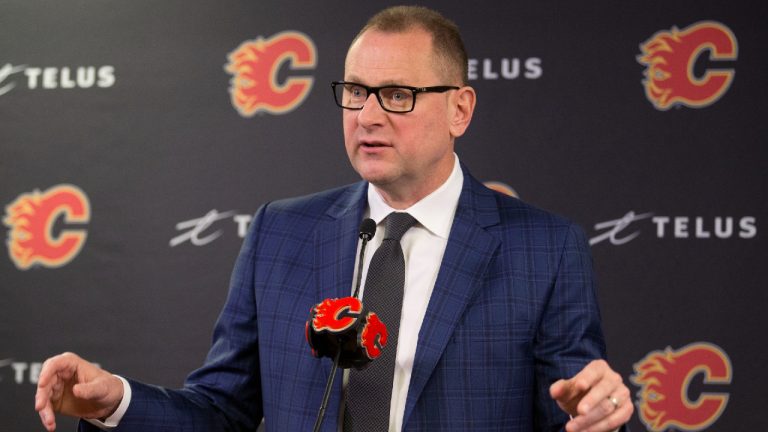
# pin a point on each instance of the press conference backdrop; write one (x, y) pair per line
(138, 138)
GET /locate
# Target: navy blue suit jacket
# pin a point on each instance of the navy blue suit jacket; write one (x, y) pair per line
(513, 309)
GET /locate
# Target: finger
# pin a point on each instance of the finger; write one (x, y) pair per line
(49, 392)
(47, 375)
(54, 366)
(605, 409)
(575, 388)
(608, 385)
(48, 419)
(42, 395)
(616, 417)
(567, 390)
(566, 395)
(600, 411)
(557, 389)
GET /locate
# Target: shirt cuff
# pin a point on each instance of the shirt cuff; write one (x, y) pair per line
(113, 421)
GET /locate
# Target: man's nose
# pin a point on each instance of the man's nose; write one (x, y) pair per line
(372, 112)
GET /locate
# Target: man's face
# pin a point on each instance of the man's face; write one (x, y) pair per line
(409, 155)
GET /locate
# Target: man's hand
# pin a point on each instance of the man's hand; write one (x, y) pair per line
(596, 398)
(72, 386)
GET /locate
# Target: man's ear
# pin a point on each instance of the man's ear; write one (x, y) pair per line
(463, 104)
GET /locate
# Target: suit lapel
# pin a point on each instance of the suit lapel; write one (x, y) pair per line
(335, 246)
(336, 240)
(469, 249)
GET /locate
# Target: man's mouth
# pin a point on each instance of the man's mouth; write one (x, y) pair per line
(372, 144)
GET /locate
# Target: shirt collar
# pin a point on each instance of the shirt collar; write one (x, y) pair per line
(434, 212)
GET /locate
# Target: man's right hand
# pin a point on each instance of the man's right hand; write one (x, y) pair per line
(74, 387)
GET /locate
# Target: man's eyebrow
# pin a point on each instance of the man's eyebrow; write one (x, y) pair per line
(393, 83)
(352, 78)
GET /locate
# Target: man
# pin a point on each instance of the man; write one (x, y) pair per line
(500, 328)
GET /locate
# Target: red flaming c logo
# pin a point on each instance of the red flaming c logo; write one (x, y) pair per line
(373, 337)
(31, 218)
(669, 57)
(336, 315)
(344, 326)
(255, 65)
(665, 377)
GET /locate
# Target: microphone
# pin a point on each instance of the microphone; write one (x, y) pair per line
(367, 231)
(343, 326)
(343, 329)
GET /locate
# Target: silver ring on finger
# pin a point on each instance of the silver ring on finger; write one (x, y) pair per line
(614, 401)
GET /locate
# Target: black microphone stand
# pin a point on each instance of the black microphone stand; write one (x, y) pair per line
(327, 394)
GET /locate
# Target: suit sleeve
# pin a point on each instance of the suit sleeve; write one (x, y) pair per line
(569, 335)
(225, 393)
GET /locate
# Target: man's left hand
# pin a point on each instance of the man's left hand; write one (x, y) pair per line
(596, 398)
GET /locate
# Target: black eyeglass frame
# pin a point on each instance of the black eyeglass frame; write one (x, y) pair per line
(376, 90)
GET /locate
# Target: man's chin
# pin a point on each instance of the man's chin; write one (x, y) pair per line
(378, 181)
(378, 175)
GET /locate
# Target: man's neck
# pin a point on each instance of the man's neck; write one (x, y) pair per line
(401, 197)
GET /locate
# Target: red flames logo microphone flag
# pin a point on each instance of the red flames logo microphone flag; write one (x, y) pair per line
(669, 57)
(665, 377)
(255, 65)
(31, 218)
(344, 324)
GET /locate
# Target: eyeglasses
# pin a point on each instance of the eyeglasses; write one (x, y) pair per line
(393, 98)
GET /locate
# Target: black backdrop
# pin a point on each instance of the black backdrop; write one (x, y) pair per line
(120, 114)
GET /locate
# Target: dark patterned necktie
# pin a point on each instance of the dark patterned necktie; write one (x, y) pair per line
(369, 391)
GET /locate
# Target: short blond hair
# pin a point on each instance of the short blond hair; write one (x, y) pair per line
(447, 44)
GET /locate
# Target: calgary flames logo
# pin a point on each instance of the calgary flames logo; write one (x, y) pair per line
(669, 57)
(665, 378)
(343, 326)
(31, 218)
(255, 65)
(336, 315)
(373, 337)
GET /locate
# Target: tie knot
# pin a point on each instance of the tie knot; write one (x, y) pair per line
(397, 225)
